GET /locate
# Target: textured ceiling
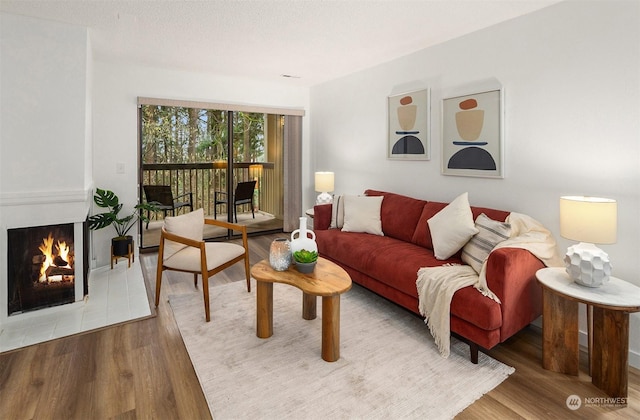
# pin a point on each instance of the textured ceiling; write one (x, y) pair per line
(314, 40)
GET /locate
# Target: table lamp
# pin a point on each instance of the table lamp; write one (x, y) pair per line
(588, 220)
(324, 184)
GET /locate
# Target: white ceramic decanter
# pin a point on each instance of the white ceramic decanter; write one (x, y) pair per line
(303, 238)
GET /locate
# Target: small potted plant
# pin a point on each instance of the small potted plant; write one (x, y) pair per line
(305, 260)
(109, 200)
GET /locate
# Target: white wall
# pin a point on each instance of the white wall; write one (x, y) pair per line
(44, 106)
(571, 74)
(116, 88)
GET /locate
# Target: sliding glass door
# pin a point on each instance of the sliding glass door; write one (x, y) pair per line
(230, 163)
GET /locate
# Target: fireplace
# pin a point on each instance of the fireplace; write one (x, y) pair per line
(43, 268)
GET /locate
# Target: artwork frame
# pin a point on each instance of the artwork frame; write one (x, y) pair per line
(473, 133)
(409, 125)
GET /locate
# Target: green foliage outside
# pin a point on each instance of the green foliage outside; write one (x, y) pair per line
(190, 135)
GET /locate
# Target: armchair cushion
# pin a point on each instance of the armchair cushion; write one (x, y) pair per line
(218, 253)
(189, 225)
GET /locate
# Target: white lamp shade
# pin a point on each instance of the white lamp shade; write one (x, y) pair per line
(588, 219)
(324, 181)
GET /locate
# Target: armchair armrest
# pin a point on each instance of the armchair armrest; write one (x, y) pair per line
(322, 216)
(221, 194)
(226, 225)
(197, 244)
(511, 275)
(181, 239)
(184, 195)
(233, 226)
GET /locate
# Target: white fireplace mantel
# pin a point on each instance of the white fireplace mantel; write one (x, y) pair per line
(25, 209)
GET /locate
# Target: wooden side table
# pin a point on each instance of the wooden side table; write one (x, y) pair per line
(608, 329)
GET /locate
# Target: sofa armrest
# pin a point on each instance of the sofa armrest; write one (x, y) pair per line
(322, 216)
(511, 275)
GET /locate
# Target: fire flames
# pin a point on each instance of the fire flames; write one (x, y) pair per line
(62, 258)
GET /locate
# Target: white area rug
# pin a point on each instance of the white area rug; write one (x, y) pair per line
(389, 365)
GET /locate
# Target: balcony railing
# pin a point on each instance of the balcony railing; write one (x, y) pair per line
(203, 179)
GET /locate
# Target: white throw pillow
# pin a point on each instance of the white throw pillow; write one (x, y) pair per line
(189, 225)
(362, 214)
(337, 212)
(491, 233)
(452, 227)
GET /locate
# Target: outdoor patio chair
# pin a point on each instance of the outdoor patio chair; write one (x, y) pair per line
(164, 200)
(242, 195)
(182, 248)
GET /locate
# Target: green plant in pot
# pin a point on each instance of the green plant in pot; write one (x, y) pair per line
(305, 260)
(122, 224)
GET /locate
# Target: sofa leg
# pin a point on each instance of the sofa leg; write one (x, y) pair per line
(473, 350)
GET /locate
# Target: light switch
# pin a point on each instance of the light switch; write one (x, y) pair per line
(119, 168)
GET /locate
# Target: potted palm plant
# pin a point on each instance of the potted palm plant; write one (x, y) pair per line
(122, 224)
(305, 260)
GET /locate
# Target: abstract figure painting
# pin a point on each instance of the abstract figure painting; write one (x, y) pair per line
(472, 135)
(409, 126)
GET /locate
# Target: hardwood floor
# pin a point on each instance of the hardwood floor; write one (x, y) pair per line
(141, 370)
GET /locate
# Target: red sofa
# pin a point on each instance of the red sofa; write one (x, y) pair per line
(388, 265)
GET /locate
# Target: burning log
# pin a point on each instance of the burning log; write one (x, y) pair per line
(58, 271)
(59, 261)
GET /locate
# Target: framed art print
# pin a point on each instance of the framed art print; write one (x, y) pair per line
(472, 134)
(409, 126)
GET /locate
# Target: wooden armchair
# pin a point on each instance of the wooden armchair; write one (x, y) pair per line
(183, 249)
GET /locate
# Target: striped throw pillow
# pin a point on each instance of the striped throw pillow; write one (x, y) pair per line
(337, 212)
(491, 233)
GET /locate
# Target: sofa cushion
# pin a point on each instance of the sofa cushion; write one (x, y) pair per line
(490, 233)
(422, 234)
(399, 214)
(362, 214)
(493, 214)
(388, 260)
(452, 227)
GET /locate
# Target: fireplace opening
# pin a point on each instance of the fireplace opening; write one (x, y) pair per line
(41, 267)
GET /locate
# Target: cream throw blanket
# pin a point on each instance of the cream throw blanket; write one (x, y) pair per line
(436, 285)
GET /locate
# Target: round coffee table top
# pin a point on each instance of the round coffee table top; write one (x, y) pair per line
(327, 279)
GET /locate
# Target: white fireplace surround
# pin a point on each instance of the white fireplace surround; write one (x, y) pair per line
(28, 209)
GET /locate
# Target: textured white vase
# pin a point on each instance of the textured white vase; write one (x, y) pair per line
(587, 264)
(303, 238)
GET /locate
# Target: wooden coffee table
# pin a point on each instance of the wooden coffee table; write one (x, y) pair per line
(328, 280)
